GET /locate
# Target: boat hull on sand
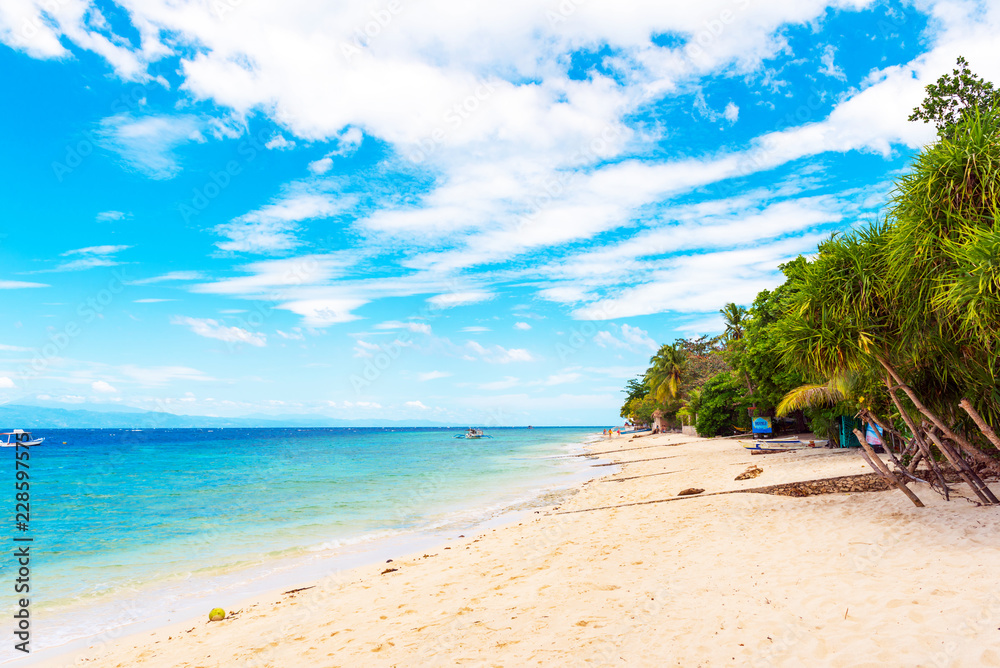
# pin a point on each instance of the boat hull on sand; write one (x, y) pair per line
(780, 444)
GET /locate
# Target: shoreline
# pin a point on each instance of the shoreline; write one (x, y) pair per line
(267, 579)
(734, 579)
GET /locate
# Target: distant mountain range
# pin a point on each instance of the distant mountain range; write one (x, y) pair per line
(42, 417)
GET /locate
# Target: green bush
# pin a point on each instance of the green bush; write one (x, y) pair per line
(722, 409)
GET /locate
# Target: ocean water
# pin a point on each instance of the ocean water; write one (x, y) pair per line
(149, 525)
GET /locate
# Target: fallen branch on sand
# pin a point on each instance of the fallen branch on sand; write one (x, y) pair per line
(868, 482)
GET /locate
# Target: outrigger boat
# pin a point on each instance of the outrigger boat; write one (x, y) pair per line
(781, 444)
(473, 433)
(18, 437)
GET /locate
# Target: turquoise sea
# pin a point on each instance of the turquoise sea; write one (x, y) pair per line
(152, 525)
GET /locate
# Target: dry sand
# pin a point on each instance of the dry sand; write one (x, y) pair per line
(734, 580)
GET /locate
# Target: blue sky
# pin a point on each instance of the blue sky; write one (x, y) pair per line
(436, 210)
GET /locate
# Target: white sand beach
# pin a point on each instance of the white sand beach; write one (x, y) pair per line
(863, 579)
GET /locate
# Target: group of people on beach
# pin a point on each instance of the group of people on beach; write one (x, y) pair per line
(612, 432)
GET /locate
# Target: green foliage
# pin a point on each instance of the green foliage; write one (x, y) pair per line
(722, 406)
(954, 98)
(917, 294)
(703, 359)
(735, 318)
(636, 388)
(640, 410)
(757, 356)
(914, 296)
(665, 373)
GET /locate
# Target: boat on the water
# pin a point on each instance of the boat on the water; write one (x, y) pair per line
(780, 444)
(473, 433)
(18, 437)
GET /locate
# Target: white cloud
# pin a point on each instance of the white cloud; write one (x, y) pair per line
(271, 228)
(103, 387)
(151, 301)
(162, 375)
(213, 329)
(106, 216)
(522, 325)
(632, 338)
(148, 144)
(432, 375)
(475, 329)
(364, 349)
(13, 348)
(18, 285)
(731, 113)
(324, 312)
(347, 143)
(517, 175)
(91, 257)
(829, 68)
(416, 404)
(505, 384)
(6, 383)
(453, 299)
(278, 142)
(294, 335)
(362, 404)
(561, 379)
(498, 354)
(413, 326)
(96, 250)
(172, 276)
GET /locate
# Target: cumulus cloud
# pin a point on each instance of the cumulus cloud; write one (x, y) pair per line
(416, 404)
(522, 325)
(6, 383)
(103, 387)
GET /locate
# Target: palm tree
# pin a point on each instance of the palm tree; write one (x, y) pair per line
(735, 318)
(688, 414)
(842, 386)
(665, 372)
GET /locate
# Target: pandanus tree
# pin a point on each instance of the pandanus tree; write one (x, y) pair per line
(914, 301)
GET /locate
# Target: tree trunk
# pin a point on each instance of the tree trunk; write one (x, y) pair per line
(980, 422)
(919, 439)
(966, 447)
(964, 470)
(883, 471)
